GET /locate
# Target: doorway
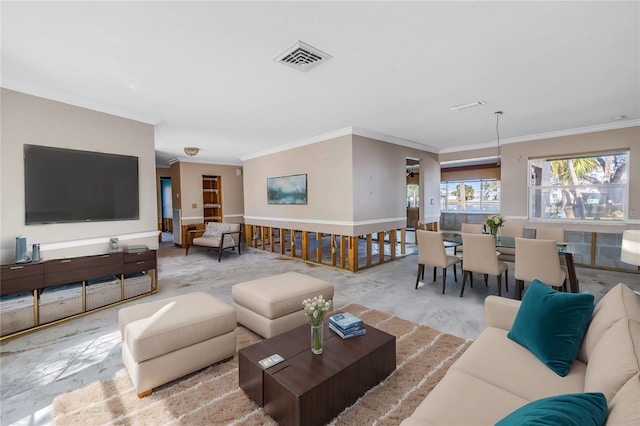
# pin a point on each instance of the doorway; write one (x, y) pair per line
(413, 195)
(167, 210)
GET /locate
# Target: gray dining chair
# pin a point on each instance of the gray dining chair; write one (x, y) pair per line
(481, 256)
(431, 252)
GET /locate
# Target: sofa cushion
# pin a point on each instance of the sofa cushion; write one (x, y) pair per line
(625, 407)
(619, 347)
(551, 325)
(619, 302)
(577, 409)
(502, 363)
(460, 399)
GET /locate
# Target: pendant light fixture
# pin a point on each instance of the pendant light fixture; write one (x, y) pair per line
(498, 114)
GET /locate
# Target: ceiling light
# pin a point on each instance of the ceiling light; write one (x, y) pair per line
(191, 150)
(465, 106)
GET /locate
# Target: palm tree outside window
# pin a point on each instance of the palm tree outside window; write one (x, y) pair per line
(579, 188)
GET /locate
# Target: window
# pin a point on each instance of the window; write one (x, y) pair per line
(480, 195)
(589, 187)
(413, 195)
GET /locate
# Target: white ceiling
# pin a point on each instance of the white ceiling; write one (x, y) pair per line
(204, 72)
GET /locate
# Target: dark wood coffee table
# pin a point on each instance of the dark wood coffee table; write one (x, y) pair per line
(307, 389)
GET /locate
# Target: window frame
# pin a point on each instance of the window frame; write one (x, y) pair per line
(480, 181)
(585, 188)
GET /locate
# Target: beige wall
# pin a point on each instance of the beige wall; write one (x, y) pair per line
(514, 173)
(329, 205)
(379, 185)
(188, 191)
(356, 185)
(31, 120)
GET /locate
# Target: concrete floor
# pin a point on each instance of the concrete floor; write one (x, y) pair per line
(37, 367)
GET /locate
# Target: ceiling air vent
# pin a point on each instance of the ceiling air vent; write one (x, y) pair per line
(302, 57)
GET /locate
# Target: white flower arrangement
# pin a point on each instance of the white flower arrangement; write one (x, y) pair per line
(494, 223)
(315, 309)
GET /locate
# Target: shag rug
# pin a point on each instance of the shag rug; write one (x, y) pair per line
(212, 396)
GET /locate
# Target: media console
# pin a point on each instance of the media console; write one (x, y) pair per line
(109, 279)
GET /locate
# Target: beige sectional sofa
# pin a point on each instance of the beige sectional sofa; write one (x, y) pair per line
(496, 375)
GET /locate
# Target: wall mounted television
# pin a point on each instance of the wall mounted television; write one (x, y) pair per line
(67, 185)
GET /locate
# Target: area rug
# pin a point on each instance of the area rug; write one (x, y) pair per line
(212, 396)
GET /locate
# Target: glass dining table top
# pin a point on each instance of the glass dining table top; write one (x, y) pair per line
(452, 239)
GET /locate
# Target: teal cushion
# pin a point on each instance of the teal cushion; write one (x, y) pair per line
(551, 324)
(579, 409)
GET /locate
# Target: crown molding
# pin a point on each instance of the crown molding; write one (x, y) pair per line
(548, 135)
(346, 131)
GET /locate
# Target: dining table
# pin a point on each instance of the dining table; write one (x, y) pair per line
(452, 239)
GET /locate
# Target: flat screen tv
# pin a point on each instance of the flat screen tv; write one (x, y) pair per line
(68, 185)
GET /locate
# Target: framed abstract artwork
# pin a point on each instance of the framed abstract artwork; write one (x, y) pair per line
(287, 189)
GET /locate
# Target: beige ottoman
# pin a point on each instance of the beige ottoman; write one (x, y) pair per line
(270, 306)
(167, 339)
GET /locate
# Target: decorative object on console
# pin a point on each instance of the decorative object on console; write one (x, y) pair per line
(35, 252)
(113, 244)
(314, 309)
(191, 150)
(21, 249)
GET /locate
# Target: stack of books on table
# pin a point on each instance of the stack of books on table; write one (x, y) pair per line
(347, 325)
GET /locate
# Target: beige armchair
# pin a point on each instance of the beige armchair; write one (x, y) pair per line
(538, 259)
(218, 236)
(432, 252)
(480, 256)
(509, 253)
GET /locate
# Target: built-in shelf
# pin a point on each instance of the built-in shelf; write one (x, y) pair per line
(211, 198)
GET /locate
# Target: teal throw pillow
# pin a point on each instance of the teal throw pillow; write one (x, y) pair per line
(579, 409)
(551, 324)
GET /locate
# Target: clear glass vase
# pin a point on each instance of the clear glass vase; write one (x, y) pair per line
(316, 339)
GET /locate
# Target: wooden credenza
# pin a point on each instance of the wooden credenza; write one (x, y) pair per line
(35, 277)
